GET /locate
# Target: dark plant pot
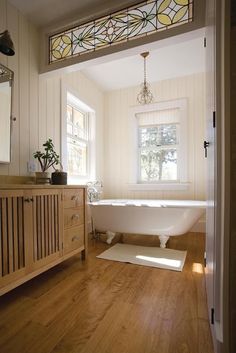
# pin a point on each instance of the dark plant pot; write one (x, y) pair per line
(59, 178)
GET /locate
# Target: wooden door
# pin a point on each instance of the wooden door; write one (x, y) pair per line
(46, 226)
(215, 282)
(13, 259)
(211, 156)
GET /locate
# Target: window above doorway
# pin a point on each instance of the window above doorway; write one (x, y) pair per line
(144, 19)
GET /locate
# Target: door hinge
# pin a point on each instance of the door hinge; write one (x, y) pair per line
(214, 119)
(212, 316)
(205, 42)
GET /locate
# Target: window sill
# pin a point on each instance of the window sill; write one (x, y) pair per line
(161, 186)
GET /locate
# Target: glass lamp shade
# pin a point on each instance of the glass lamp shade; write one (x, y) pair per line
(145, 95)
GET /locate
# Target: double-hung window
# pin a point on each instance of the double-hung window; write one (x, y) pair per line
(161, 144)
(77, 141)
(158, 152)
(78, 138)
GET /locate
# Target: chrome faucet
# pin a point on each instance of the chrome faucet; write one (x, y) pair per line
(93, 191)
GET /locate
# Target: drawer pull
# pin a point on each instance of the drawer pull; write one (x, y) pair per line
(76, 237)
(75, 217)
(75, 198)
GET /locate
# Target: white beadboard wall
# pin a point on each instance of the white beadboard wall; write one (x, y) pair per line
(50, 109)
(116, 167)
(37, 99)
(25, 100)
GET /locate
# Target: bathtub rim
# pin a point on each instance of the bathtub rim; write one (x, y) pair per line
(152, 203)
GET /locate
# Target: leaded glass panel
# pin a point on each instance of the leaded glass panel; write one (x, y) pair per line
(144, 19)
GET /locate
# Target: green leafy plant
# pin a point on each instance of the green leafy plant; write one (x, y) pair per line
(48, 158)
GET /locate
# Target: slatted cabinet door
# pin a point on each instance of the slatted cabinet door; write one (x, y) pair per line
(12, 236)
(47, 234)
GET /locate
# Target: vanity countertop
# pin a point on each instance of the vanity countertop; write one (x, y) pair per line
(38, 186)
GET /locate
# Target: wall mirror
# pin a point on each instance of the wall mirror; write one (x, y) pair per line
(6, 82)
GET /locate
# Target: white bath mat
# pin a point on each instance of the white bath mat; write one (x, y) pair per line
(147, 256)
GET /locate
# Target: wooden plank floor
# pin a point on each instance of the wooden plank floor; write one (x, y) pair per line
(110, 307)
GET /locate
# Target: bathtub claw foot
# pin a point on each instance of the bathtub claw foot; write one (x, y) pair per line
(110, 236)
(163, 240)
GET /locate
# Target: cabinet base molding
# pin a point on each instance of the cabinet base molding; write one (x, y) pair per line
(31, 275)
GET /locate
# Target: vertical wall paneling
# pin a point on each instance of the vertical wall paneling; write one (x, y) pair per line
(57, 114)
(50, 106)
(88, 92)
(25, 132)
(33, 90)
(24, 80)
(117, 142)
(4, 168)
(37, 99)
(42, 127)
(13, 64)
(3, 25)
(50, 112)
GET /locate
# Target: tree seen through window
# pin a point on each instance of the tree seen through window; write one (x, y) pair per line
(158, 152)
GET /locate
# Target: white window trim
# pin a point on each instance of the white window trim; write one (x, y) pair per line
(182, 183)
(91, 162)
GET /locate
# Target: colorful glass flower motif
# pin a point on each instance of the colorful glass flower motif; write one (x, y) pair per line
(144, 19)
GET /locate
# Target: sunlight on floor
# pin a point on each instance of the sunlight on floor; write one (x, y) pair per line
(160, 260)
(197, 267)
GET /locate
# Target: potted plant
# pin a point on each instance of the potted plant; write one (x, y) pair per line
(59, 177)
(49, 158)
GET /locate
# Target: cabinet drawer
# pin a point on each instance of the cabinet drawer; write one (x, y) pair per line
(73, 238)
(73, 217)
(73, 198)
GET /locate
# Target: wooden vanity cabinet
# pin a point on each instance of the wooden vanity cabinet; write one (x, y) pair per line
(39, 228)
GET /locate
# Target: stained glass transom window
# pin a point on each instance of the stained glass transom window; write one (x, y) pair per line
(141, 20)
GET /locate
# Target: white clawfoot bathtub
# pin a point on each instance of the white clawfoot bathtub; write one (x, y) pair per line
(164, 218)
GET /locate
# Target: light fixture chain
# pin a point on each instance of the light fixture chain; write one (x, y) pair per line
(145, 72)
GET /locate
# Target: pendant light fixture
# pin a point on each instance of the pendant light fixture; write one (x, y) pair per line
(145, 95)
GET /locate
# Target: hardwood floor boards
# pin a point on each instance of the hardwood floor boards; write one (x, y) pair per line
(110, 307)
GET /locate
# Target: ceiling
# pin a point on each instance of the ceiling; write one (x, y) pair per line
(45, 13)
(175, 59)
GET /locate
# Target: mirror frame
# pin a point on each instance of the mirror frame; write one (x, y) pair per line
(10, 74)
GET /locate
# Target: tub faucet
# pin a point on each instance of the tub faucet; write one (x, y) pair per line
(93, 191)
